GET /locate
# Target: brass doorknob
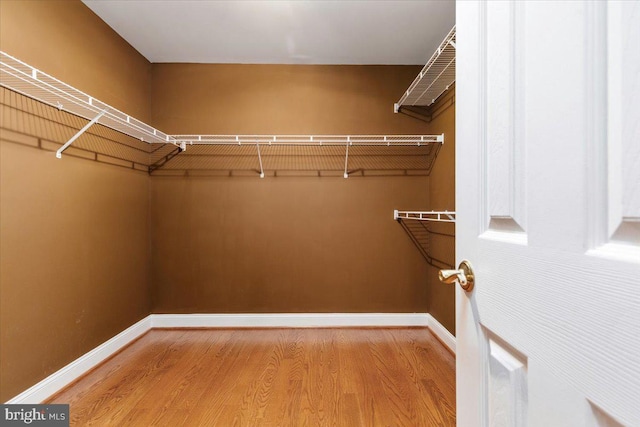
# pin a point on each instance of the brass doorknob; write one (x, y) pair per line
(463, 275)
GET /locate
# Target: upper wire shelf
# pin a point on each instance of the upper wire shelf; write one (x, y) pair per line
(29, 81)
(26, 80)
(438, 74)
(311, 140)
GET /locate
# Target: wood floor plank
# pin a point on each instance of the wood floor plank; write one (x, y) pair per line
(271, 377)
(427, 379)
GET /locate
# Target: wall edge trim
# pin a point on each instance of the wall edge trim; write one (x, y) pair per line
(287, 320)
(83, 364)
(442, 333)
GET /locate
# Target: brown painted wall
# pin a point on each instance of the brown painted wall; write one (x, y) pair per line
(281, 99)
(65, 39)
(285, 244)
(74, 233)
(442, 197)
(225, 245)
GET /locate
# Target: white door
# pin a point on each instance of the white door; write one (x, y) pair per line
(548, 213)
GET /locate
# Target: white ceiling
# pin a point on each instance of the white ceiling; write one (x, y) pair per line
(281, 32)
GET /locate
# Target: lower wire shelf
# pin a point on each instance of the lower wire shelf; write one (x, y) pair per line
(433, 233)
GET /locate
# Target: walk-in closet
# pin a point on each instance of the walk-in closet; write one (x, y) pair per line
(162, 214)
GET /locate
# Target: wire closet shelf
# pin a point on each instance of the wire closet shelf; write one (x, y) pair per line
(26, 80)
(434, 216)
(312, 140)
(33, 83)
(432, 234)
(341, 141)
(438, 74)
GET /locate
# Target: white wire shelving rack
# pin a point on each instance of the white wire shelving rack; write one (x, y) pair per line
(345, 141)
(26, 80)
(33, 83)
(435, 243)
(435, 216)
(310, 140)
(438, 74)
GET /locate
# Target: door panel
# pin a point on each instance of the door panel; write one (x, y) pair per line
(504, 155)
(548, 145)
(507, 384)
(623, 115)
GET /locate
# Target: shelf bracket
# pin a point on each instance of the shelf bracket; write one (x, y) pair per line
(346, 158)
(80, 132)
(421, 236)
(260, 160)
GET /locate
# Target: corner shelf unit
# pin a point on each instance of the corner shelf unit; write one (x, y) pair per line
(432, 233)
(436, 77)
(23, 79)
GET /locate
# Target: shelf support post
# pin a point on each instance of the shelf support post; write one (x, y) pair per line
(346, 158)
(260, 160)
(80, 132)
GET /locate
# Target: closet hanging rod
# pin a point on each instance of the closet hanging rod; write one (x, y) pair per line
(22, 78)
(312, 140)
(436, 216)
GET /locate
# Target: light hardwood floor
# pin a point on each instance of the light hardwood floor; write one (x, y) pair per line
(271, 377)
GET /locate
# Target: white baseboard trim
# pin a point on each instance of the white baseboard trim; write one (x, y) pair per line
(288, 320)
(74, 370)
(442, 333)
